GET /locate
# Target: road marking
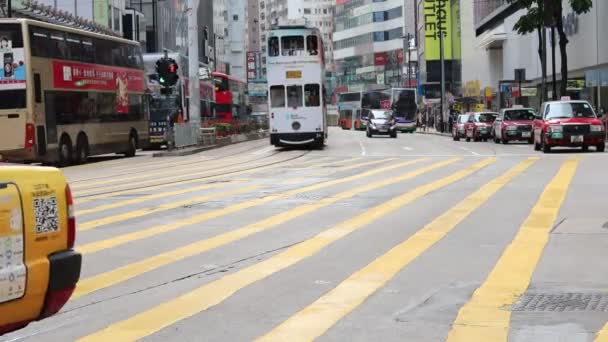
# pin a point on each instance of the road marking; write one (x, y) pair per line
(213, 293)
(486, 316)
(335, 162)
(129, 271)
(407, 148)
(325, 173)
(363, 152)
(93, 224)
(275, 165)
(314, 320)
(153, 196)
(468, 150)
(164, 228)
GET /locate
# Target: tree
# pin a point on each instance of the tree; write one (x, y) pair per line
(556, 8)
(549, 13)
(530, 22)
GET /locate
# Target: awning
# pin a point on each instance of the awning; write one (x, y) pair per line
(493, 39)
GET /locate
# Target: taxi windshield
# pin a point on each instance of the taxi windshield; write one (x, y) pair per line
(569, 110)
(463, 118)
(485, 117)
(519, 115)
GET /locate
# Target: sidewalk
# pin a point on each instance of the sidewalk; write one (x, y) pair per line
(433, 131)
(219, 142)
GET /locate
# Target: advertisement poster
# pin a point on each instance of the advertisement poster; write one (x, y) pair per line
(72, 75)
(12, 264)
(437, 20)
(12, 75)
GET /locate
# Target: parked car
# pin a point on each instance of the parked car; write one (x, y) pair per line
(568, 123)
(381, 121)
(458, 129)
(479, 126)
(39, 268)
(514, 124)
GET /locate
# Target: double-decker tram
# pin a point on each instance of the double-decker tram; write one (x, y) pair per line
(296, 95)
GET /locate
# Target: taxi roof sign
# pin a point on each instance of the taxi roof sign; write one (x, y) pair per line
(565, 98)
(517, 106)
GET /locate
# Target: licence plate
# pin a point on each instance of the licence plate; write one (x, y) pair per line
(526, 134)
(576, 139)
(470, 134)
(383, 130)
(483, 131)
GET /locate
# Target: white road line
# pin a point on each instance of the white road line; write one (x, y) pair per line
(363, 153)
(407, 148)
(466, 149)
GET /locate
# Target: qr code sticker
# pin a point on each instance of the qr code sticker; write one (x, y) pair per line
(45, 209)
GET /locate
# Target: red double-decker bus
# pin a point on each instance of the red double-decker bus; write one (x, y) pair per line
(230, 105)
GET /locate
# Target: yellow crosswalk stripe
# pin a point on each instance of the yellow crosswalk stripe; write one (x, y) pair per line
(163, 207)
(121, 274)
(327, 164)
(160, 229)
(602, 335)
(140, 199)
(317, 318)
(486, 316)
(191, 303)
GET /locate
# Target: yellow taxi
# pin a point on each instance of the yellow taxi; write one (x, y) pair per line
(39, 268)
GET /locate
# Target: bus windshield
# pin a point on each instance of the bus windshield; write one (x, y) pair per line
(12, 76)
(404, 103)
(161, 107)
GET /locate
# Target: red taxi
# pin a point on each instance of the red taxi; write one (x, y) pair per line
(458, 129)
(514, 124)
(568, 123)
(479, 126)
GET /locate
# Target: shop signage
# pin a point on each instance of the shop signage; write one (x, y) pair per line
(437, 21)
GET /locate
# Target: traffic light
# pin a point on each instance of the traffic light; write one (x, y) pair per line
(166, 68)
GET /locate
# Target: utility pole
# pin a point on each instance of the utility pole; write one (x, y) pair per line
(9, 8)
(193, 65)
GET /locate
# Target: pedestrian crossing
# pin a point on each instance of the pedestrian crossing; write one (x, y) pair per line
(316, 204)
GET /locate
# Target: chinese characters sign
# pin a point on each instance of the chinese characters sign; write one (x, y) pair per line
(437, 21)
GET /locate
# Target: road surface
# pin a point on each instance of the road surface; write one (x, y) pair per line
(418, 238)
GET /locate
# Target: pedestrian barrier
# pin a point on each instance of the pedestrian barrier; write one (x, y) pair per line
(207, 136)
(185, 134)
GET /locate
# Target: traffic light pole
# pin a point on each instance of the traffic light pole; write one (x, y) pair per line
(193, 65)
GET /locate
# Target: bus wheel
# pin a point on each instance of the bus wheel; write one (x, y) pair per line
(132, 148)
(82, 149)
(65, 151)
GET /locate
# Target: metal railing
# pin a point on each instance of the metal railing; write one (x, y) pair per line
(185, 135)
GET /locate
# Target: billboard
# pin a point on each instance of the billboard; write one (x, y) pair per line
(254, 65)
(438, 20)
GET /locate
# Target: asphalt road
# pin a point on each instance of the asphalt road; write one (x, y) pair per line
(418, 238)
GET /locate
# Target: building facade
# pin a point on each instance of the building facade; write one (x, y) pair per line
(369, 43)
(497, 50)
(237, 38)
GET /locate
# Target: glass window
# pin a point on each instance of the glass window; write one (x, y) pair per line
(103, 52)
(222, 84)
(463, 118)
(88, 50)
(277, 96)
(235, 17)
(117, 18)
(379, 16)
(292, 45)
(58, 45)
(40, 42)
(379, 36)
(312, 45)
(294, 96)
(74, 47)
(311, 93)
(273, 46)
(393, 13)
(307, 11)
(519, 114)
(394, 34)
(325, 11)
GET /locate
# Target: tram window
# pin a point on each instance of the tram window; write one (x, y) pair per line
(292, 45)
(294, 96)
(311, 93)
(277, 96)
(273, 46)
(313, 45)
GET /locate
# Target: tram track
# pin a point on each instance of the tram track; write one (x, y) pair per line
(216, 175)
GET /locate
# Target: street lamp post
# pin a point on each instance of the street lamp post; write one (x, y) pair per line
(442, 61)
(9, 8)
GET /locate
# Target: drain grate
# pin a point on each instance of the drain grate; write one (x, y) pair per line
(544, 302)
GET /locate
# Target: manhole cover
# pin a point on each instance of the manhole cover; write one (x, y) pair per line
(544, 302)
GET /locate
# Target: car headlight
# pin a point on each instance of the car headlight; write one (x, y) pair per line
(597, 128)
(556, 129)
(372, 125)
(511, 128)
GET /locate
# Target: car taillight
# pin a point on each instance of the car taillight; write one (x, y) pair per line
(30, 136)
(71, 218)
(55, 300)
